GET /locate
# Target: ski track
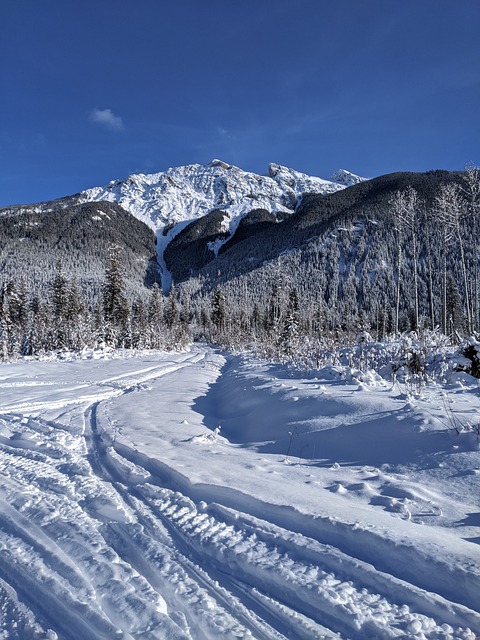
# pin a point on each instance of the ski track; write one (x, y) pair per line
(98, 540)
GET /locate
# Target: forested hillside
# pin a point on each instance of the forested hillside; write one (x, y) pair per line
(398, 252)
(59, 262)
(33, 241)
(392, 254)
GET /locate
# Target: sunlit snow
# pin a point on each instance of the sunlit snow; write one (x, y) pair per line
(203, 495)
(167, 201)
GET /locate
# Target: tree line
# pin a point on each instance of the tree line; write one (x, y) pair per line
(66, 319)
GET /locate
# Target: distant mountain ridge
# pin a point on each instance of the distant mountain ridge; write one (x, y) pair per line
(346, 178)
(215, 198)
(168, 201)
(182, 194)
(78, 236)
(259, 239)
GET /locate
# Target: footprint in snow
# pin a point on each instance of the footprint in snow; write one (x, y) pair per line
(338, 487)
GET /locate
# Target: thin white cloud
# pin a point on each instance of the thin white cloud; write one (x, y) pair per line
(107, 118)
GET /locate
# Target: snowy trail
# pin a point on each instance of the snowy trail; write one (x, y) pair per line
(123, 514)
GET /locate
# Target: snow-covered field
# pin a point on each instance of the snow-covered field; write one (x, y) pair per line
(203, 495)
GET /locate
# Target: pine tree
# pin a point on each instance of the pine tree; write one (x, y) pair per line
(185, 313)
(154, 318)
(60, 309)
(155, 304)
(256, 319)
(116, 309)
(14, 318)
(138, 327)
(455, 316)
(291, 325)
(60, 294)
(5, 325)
(218, 309)
(274, 311)
(171, 313)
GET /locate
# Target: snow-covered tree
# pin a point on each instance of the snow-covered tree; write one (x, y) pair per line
(154, 318)
(115, 304)
(405, 210)
(171, 312)
(218, 314)
(451, 209)
(291, 326)
(471, 188)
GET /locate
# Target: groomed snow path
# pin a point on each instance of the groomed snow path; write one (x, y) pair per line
(321, 508)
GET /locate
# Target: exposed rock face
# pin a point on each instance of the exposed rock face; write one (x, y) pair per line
(185, 193)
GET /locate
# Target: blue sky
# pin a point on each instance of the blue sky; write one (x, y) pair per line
(97, 89)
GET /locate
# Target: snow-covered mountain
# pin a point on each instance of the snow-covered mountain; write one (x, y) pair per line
(168, 201)
(346, 178)
(182, 194)
(215, 198)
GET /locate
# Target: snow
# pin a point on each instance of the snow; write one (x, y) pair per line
(204, 495)
(189, 192)
(342, 176)
(167, 201)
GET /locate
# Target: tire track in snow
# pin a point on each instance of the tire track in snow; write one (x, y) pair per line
(361, 599)
(364, 592)
(266, 622)
(286, 570)
(48, 599)
(51, 558)
(200, 584)
(81, 393)
(226, 565)
(209, 609)
(334, 537)
(26, 626)
(52, 553)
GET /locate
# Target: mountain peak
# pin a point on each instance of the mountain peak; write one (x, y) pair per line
(182, 194)
(347, 178)
(219, 163)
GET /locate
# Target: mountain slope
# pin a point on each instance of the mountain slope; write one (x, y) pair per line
(169, 200)
(339, 251)
(33, 239)
(212, 198)
(217, 225)
(189, 192)
(317, 214)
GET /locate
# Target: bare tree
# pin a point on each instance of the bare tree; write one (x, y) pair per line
(471, 190)
(471, 187)
(451, 209)
(427, 218)
(405, 209)
(396, 209)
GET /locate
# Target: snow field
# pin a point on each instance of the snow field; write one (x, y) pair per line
(123, 513)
